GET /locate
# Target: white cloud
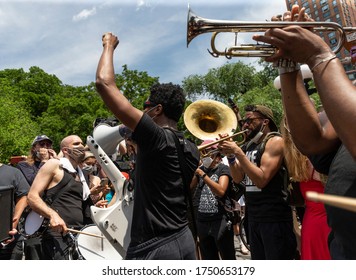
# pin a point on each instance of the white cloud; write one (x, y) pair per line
(84, 14)
(152, 38)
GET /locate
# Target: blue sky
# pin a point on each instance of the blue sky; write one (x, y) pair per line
(64, 37)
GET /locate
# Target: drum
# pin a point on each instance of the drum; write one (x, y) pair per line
(32, 224)
(95, 248)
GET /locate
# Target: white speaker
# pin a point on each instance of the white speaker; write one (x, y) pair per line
(108, 137)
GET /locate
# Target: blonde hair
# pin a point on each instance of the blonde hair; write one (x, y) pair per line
(297, 163)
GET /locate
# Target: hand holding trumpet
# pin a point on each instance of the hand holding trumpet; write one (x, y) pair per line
(295, 42)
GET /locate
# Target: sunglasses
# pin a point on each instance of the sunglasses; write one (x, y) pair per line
(45, 144)
(247, 121)
(148, 104)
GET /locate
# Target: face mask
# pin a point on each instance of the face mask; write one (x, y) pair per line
(76, 154)
(258, 136)
(150, 111)
(88, 168)
(207, 161)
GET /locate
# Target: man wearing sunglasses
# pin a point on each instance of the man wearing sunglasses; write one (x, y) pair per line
(159, 228)
(270, 223)
(41, 151)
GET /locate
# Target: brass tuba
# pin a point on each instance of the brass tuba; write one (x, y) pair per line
(206, 119)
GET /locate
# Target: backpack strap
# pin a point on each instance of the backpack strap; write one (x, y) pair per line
(269, 135)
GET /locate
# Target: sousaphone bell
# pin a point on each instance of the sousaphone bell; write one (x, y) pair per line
(207, 119)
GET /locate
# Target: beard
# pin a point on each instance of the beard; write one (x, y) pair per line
(254, 132)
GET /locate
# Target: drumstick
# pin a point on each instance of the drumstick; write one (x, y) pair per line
(346, 203)
(85, 233)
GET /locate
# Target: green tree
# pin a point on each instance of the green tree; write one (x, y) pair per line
(228, 81)
(135, 85)
(17, 128)
(73, 111)
(35, 87)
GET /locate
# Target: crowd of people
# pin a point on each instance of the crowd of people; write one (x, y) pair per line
(180, 196)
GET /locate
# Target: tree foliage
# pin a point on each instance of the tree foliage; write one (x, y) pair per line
(35, 102)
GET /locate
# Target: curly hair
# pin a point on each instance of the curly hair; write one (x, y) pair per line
(171, 97)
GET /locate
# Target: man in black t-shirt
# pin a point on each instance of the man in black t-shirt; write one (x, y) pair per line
(159, 227)
(11, 176)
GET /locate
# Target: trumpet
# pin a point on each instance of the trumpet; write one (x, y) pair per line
(204, 149)
(197, 25)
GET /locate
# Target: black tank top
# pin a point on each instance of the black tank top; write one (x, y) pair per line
(68, 203)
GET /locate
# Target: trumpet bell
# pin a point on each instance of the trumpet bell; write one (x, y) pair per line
(206, 119)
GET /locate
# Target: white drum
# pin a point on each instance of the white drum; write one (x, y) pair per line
(32, 224)
(95, 248)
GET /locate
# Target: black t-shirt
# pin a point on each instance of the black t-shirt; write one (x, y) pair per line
(29, 170)
(267, 204)
(342, 182)
(160, 206)
(210, 208)
(11, 176)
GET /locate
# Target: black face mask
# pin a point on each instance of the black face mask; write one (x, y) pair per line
(76, 154)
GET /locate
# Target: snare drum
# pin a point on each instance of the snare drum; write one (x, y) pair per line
(32, 224)
(95, 248)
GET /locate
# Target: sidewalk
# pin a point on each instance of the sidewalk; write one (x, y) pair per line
(239, 255)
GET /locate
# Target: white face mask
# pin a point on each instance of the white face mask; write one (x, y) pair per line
(150, 110)
(258, 136)
(90, 168)
(207, 161)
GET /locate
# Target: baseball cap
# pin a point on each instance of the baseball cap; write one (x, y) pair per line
(39, 138)
(88, 155)
(267, 112)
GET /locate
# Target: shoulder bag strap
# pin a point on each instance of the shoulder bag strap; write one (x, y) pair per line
(186, 182)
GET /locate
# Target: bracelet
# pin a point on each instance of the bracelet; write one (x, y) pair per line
(329, 58)
(203, 176)
(286, 66)
(231, 159)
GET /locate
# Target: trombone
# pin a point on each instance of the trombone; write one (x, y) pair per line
(197, 25)
(204, 149)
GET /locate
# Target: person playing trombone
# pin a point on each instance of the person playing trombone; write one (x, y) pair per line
(270, 224)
